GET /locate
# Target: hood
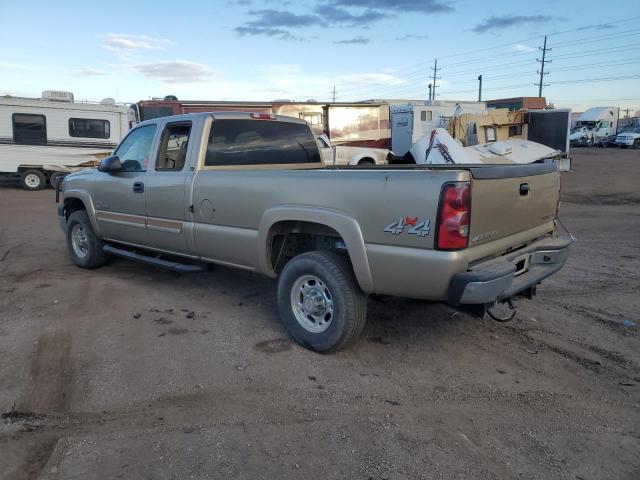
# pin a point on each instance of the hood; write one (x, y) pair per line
(80, 173)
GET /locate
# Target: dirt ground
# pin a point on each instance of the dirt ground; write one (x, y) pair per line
(137, 373)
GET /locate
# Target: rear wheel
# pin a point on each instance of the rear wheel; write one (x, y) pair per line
(53, 178)
(85, 248)
(320, 302)
(33, 180)
(636, 143)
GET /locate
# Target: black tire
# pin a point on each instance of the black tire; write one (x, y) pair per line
(54, 176)
(636, 143)
(94, 256)
(33, 180)
(366, 162)
(349, 312)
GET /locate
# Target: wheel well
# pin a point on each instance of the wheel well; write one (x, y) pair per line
(290, 238)
(71, 205)
(366, 161)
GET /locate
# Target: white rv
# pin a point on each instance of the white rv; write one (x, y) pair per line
(411, 122)
(44, 138)
(595, 126)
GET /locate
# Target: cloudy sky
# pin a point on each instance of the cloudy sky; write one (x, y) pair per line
(268, 49)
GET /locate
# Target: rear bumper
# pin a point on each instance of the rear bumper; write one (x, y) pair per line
(504, 277)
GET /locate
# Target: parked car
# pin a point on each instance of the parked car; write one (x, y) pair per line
(249, 190)
(630, 138)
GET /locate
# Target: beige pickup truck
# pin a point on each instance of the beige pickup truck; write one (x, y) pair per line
(250, 191)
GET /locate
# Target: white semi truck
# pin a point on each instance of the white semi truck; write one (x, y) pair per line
(595, 126)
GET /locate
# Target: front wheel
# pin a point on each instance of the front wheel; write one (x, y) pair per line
(320, 301)
(636, 143)
(85, 248)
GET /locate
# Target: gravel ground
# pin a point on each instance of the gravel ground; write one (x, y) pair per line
(137, 373)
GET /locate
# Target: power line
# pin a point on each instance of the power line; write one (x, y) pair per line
(516, 42)
(419, 73)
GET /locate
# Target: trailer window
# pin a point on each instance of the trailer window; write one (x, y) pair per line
(29, 129)
(515, 130)
(260, 142)
(173, 148)
(426, 115)
(147, 113)
(89, 128)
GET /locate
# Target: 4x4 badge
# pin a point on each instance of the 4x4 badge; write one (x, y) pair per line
(419, 228)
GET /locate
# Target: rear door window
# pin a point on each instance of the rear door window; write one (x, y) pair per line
(173, 148)
(260, 142)
(135, 149)
(29, 129)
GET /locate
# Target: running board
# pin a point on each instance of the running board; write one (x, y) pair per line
(156, 262)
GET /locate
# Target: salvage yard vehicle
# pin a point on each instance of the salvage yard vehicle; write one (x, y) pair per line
(629, 138)
(248, 190)
(44, 138)
(595, 126)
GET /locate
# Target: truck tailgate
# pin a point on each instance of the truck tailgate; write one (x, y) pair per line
(506, 200)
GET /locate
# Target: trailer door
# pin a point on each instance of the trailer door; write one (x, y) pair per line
(401, 132)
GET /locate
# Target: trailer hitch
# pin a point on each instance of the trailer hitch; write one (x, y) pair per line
(501, 316)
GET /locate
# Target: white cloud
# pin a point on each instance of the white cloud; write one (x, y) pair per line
(373, 79)
(15, 66)
(91, 72)
(176, 71)
(124, 42)
(523, 48)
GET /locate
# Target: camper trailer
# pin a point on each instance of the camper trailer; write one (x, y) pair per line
(410, 122)
(358, 132)
(44, 138)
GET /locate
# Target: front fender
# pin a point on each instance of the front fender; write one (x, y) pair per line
(346, 226)
(85, 197)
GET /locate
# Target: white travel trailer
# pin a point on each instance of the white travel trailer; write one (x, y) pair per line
(410, 122)
(44, 138)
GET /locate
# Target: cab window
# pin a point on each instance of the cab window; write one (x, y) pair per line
(173, 147)
(260, 142)
(135, 149)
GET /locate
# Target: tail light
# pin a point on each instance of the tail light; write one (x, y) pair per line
(453, 216)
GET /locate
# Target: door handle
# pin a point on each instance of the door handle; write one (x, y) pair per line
(138, 187)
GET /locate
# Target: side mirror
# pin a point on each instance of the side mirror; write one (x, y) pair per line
(110, 164)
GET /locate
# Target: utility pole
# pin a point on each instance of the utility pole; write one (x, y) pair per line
(626, 112)
(333, 94)
(429, 92)
(435, 71)
(542, 73)
(480, 88)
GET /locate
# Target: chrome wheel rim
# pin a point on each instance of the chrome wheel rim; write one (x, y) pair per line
(32, 180)
(79, 241)
(312, 303)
